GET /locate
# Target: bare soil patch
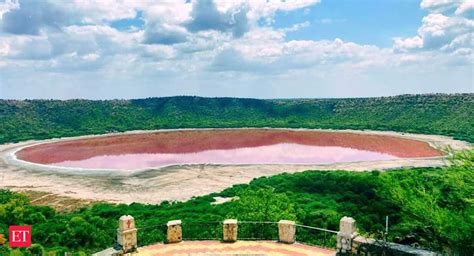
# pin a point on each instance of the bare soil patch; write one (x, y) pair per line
(59, 203)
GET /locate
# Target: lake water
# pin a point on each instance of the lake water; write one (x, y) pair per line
(281, 153)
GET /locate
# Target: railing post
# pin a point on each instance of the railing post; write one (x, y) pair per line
(127, 234)
(174, 233)
(230, 230)
(347, 232)
(286, 231)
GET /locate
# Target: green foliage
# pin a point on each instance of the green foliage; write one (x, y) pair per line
(40, 119)
(37, 250)
(263, 205)
(437, 207)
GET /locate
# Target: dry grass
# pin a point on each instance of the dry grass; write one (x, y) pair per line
(59, 203)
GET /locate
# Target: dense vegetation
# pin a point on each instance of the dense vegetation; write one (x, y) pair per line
(435, 114)
(430, 207)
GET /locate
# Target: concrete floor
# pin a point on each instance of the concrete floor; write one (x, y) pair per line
(214, 248)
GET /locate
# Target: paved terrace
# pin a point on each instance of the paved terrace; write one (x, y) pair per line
(230, 237)
(208, 248)
(230, 241)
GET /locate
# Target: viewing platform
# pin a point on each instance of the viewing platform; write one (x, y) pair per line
(256, 238)
(260, 248)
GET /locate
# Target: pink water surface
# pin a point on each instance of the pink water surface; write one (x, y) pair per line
(283, 153)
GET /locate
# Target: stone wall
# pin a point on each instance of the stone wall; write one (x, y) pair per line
(349, 242)
(369, 246)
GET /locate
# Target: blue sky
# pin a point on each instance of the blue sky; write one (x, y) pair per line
(126, 24)
(359, 21)
(262, 49)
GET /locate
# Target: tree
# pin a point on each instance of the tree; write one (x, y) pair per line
(437, 206)
(263, 205)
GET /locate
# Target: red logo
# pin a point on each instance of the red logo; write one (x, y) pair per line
(20, 236)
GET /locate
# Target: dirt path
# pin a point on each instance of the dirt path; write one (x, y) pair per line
(179, 182)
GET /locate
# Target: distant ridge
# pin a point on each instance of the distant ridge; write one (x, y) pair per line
(445, 114)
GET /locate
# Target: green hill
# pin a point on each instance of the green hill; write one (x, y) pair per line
(433, 114)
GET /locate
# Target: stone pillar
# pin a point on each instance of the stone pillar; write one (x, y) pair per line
(127, 234)
(230, 230)
(175, 233)
(286, 231)
(347, 232)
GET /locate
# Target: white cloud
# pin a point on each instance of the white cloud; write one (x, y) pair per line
(4, 48)
(91, 57)
(7, 6)
(465, 7)
(297, 26)
(97, 11)
(27, 47)
(166, 49)
(406, 44)
(265, 8)
(439, 5)
(158, 52)
(172, 45)
(271, 54)
(169, 12)
(443, 30)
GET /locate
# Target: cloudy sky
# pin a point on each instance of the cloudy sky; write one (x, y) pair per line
(103, 49)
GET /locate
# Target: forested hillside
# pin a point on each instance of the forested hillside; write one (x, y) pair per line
(433, 114)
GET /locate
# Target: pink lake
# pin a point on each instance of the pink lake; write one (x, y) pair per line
(281, 153)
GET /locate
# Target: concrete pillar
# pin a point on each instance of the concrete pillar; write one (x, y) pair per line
(127, 234)
(286, 231)
(175, 233)
(230, 230)
(347, 232)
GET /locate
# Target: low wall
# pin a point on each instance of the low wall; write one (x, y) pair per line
(349, 242)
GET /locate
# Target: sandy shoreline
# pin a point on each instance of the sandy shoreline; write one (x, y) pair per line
(180, 182)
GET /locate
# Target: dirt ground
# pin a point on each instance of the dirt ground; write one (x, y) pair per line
(64, 189)
(59, 203)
